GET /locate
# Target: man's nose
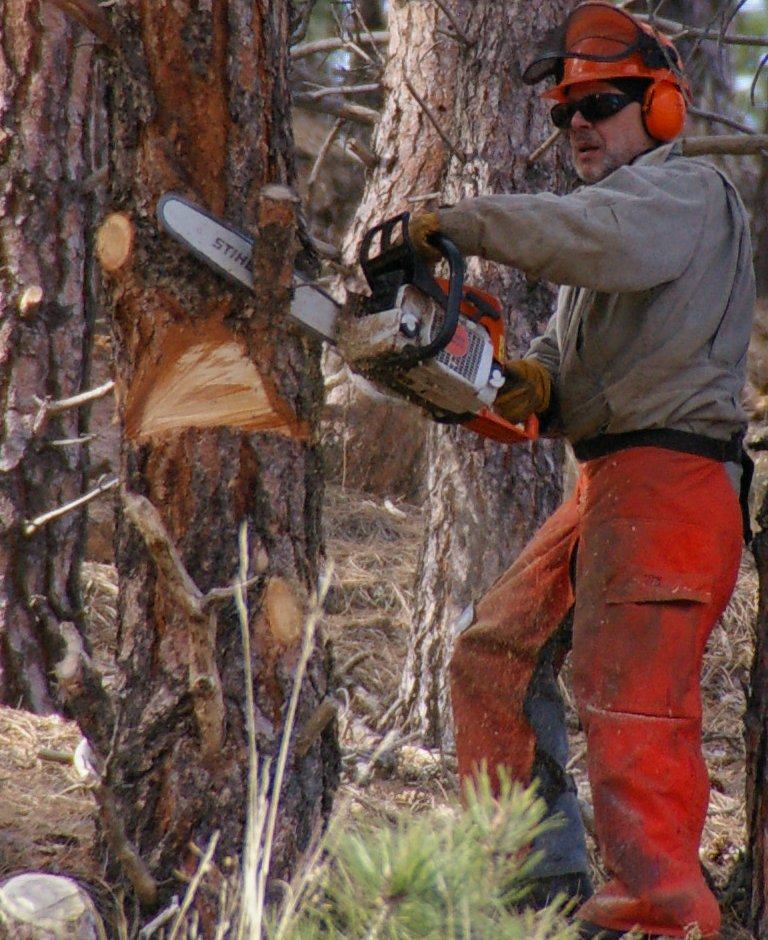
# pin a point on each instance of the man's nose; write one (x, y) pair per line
(579, 122)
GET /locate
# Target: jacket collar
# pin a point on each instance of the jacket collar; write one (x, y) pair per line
(658, 155)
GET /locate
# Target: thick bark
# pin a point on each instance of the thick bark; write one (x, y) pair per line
(201, 105)
(412, 159)
(760, 223)
(50, 145)
(756, 722)
(484, 501)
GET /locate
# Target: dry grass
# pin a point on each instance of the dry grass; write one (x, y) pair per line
(374, 546)
(46, 816)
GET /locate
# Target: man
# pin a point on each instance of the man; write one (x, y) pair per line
(641, 369)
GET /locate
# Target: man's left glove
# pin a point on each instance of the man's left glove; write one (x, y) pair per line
(527, 390)
(421, 226)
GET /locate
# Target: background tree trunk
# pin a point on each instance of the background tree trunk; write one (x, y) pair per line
(483, 501)
(51, 143)
(200, 104)
(756, 723)
(383, 441)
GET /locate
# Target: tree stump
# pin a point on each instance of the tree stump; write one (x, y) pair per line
(34, 906)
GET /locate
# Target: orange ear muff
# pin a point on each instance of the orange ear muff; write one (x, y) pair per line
(664, 110)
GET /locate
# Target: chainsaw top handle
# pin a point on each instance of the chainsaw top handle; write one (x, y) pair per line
(398, 263)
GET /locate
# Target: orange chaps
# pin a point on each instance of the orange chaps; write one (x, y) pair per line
(659, 542)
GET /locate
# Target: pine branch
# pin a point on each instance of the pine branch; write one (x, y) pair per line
(334, 43)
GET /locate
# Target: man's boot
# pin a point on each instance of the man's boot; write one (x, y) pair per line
(563, 868)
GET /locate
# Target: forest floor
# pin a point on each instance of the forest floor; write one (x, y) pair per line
(47, 817)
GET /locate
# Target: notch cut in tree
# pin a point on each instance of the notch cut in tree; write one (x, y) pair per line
(201, 376)
(198, 372)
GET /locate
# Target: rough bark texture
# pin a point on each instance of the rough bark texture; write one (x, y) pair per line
(200, 105)
(761, 226)
(756, 722)
(383, 442)
(50, 145)
(483, 501)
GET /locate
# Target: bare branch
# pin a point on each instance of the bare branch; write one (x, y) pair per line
(204, 679)
(460, 34)
(368, 34)
(333, 43)
(122, 848)
(64, 404)
(202, 868)
(314, 726)
(685, 30)
(716, 118)
(425, 197)
(340, 109)
(92, 17)
(736, 145)
(342, 90)
(72, 441)
(364, 154)
(325, 249)
(299, 31)
(434, 122)
(753, 86)
(322, 154)
(38, 522)
(539, 152)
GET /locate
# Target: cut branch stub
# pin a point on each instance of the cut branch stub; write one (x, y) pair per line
(114, 241)
(36, 906)
(275, 249)
(31, 298)
(285, 611)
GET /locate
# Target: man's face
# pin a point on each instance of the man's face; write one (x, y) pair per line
(600, 148)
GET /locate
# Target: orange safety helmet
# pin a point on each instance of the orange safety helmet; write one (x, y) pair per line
(599, 42)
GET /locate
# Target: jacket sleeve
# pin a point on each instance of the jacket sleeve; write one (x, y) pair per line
(545, 349)
(634, 230)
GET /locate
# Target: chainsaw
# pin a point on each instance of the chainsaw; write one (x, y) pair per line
(438, 343)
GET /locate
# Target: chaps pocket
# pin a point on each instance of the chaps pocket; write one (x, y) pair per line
(642, 587)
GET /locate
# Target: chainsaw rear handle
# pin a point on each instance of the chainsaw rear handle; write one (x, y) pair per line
(399, 263)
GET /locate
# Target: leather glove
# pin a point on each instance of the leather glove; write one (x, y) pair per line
(421, 225)
(527, 390)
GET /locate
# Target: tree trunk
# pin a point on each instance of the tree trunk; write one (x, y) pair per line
(412, 159)
(218, 399)
(483, 501)
(761, 225)
(50, 145)
(756, 723)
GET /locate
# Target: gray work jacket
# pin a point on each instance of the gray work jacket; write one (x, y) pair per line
(654, 315)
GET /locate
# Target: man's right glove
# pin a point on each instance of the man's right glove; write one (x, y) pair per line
(527, 390)
(421, 226)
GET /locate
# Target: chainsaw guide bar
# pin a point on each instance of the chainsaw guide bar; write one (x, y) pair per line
(436, 343)
(228, 251)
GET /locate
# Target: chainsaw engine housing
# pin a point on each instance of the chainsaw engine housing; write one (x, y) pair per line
(459, 379)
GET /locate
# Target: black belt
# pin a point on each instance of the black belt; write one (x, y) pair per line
(687, 443)
(730, 451)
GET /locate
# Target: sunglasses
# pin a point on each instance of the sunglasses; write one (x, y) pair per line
(592, 108)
